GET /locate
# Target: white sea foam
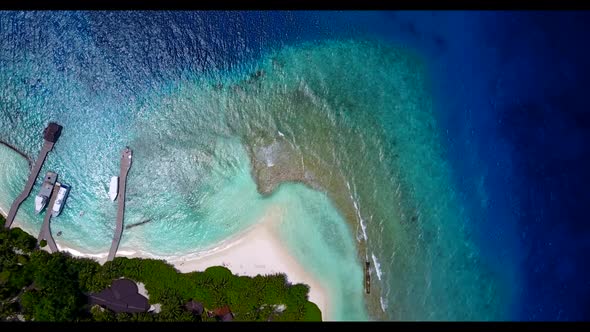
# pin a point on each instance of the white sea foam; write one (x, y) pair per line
(377, 266)
(383, 301)
(360, 219)
(77, 253)
(363, 228)
(358, 212)
(226, 244)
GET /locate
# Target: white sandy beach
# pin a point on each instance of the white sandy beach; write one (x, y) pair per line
(257, 250)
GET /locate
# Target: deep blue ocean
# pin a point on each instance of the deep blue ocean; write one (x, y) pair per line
(509, 95)
(512, 86)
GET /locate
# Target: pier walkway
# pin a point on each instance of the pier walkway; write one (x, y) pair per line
(125, 166)
(51, 134)
(45, 233)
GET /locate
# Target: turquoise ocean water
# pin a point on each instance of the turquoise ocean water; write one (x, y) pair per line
(358, 115)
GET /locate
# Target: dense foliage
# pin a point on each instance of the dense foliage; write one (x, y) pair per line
(36, 285)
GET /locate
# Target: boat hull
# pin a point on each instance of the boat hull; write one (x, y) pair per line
(114, 188)
(62, 195)
(40, 203)
(42, 197)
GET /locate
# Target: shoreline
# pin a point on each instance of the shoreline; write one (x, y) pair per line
(235, 253)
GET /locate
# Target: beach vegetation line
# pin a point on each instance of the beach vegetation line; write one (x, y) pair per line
(36, 285)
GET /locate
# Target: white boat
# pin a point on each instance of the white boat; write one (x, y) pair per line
(46, 189)
(62, 195)
(40, 202)
(114, 188)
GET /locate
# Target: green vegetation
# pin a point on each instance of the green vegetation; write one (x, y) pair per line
(53, 287)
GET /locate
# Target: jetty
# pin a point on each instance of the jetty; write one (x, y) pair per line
(50, 135)
(125, 166)
(45, 233)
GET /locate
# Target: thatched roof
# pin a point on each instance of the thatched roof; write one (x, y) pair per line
(122, 296)
(52, 132)
(194, 307)
(223, 314)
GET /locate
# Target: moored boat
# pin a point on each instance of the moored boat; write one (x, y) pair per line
(62, 195)
(46, 188)
(114, 188)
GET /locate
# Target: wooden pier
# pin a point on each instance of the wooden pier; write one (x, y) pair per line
(45, 233)
(125, 166)
(50, 134)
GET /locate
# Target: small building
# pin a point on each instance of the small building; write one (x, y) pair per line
(222, 314)
(52, 132)
(122, 296)
(195, 307)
